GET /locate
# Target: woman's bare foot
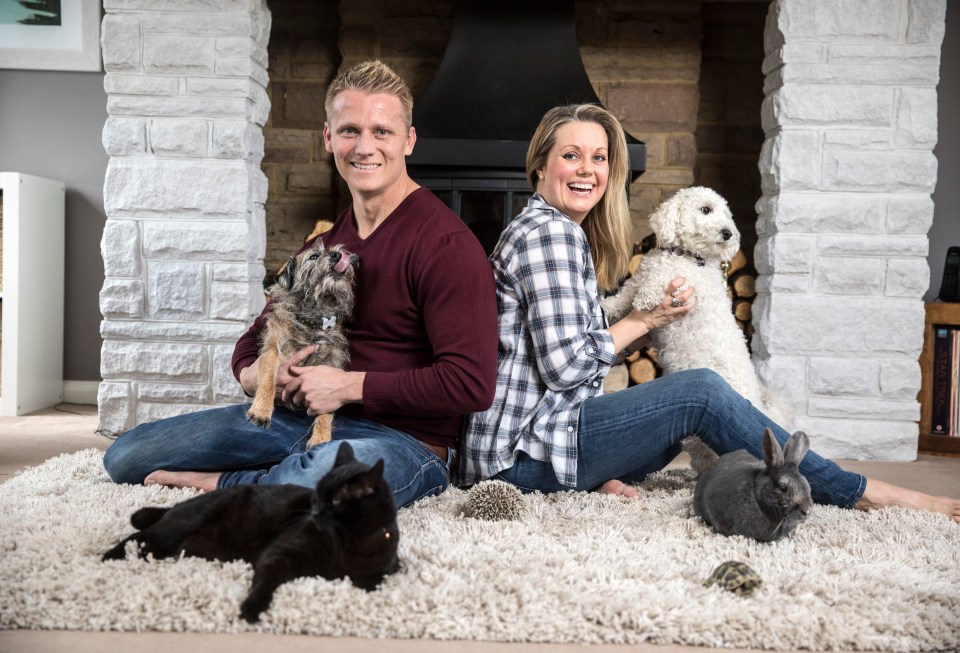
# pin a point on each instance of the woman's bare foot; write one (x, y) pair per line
(206, 481)
(879, 495)
(618, 488)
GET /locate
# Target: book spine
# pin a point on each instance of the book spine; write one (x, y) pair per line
(940, 422)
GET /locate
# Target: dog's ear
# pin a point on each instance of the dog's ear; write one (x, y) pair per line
(665, 222)
(288, 273)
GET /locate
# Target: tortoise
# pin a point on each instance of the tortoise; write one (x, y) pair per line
(735, 576)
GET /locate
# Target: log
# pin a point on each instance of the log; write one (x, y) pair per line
(743, 309)
(618, 378)
(738, 263)
(651, 353)
(320, 227)
(634, 263)
(744, 286)
(642, 370)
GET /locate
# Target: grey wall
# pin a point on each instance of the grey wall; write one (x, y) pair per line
(946, 218)
(50, 125)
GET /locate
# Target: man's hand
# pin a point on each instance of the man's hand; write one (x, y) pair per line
(321, 388)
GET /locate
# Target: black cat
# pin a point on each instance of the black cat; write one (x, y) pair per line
(346, 527)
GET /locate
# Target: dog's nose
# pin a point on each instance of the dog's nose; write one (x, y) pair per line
(726, 234)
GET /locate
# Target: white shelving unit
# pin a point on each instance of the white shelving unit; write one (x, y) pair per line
(31, 367)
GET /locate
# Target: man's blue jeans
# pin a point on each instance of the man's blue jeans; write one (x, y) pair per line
(222, 440)
(629, 434)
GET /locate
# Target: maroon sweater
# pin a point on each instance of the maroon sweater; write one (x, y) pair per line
(424, 325)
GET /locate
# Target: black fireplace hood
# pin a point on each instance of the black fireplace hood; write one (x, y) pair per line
(506, 64)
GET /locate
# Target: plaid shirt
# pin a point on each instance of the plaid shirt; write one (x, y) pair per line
(554, 347)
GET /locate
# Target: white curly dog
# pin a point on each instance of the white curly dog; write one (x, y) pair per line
(695, 234)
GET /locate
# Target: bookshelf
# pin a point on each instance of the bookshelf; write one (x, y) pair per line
(936, 313)
(31, 293)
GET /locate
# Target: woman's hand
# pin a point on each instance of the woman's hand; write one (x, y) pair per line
(677, 302)
(630, 333)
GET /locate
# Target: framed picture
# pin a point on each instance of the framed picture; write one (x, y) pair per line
(50, 34)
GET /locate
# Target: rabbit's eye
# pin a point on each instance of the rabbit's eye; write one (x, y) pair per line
(783, 487)
(706, 210)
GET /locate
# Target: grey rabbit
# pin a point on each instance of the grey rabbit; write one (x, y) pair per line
(765, 500)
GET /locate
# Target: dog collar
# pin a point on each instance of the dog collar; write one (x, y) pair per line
(679, 251)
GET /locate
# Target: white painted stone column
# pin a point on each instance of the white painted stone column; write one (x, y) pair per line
(185, 235)
(850, 116)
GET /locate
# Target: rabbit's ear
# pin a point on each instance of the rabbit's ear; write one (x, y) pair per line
(796, 449)
(772, 453)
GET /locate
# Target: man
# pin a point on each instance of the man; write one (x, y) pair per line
(423, 336)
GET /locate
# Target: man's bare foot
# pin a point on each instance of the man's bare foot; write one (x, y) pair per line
(879, 495)
(206, 481)
(619, 488)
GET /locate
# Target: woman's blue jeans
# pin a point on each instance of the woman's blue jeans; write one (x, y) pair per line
(222, 440)
(629, 434)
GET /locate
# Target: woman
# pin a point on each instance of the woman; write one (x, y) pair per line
(550, 427)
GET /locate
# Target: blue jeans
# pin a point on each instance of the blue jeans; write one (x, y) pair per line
(629, 434)
(222, 440)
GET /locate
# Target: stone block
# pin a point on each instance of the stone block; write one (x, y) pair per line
(124, 136)
(189, 6)
(158, 361)
(237, 272)
(180, 23)
(219, 86)
(841, 275)
(235, 301)
(206, 240)
(236, 139)
(907, 277)
(805, 105)
(888, 172)
(682, 150)
(643, 106)
(899, 379)
(115, 408)
(181, 107)
(917, 118)
(163, 187)
(180, 393)
(877, 246)
(176, 137)
(898, 73)
(839, 20)
(120, 248)
(120, 39)
(244, 67)
(121, 298)
(794, 53)
(140, 85)
(178, 55)
(299, 105)
(926, 21)
(845, 377)
(872, 56)
(819, 325)
(861, 439)
(854, 213)
(225, 387)
(909, 214)
(790, 161)
(169, 331)
(784, 283)
(858, 139)
(884, 409)
(785, 254)
(175, 289)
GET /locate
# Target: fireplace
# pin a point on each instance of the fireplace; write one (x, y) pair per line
(845, 173)
(491, 89)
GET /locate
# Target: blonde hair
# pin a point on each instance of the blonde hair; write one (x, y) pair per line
(607, 225)
(371, 77)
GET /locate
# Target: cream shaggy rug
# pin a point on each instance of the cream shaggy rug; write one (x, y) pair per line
(578, 568)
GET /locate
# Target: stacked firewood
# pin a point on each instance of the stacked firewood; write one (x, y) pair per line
(642, 366)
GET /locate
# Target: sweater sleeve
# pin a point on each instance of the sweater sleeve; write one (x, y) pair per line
(456, 296)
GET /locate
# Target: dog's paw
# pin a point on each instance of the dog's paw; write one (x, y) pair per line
(258, 419)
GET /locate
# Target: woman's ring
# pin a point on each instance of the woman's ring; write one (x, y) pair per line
(676, 303)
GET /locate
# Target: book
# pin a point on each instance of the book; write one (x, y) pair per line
(943, 391)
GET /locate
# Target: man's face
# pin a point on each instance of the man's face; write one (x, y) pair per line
(368, 137)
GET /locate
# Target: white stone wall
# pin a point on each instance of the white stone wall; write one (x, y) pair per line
(184, 240)
(850, 117)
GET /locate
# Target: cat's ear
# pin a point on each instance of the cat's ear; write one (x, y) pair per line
(376, 472)
(344, 455)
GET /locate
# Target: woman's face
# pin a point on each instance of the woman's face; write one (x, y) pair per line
(574, 177)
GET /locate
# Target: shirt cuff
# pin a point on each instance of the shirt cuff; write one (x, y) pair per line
(602, 347)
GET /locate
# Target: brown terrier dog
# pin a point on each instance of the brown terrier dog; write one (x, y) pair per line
(312, 297)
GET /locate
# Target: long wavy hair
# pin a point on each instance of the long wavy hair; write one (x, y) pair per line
(607, 225)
